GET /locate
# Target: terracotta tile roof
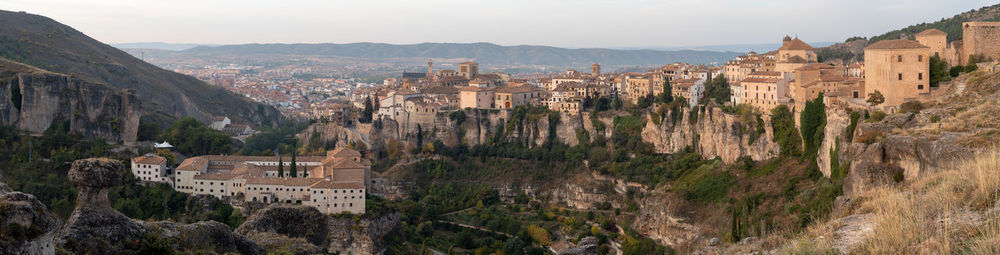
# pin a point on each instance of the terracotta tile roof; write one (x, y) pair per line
(931, 32)
(470, 88)
(895, 44)
(343, 163)
(760, 80)
(304, 182)
(795, 44)
(518, 89)
(193, 164)
(343, 152)
(149, 160)
(337, 185)
(265, 181)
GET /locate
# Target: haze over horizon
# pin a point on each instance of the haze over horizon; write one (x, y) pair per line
(559, 23)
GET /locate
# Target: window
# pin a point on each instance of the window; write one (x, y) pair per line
(920, 86)
(899, 58)
(920, 76)
(920, 58)
(901, 76)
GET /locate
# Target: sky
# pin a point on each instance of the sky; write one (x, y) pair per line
(561, 23)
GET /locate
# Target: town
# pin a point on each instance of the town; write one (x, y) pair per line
(893, 73)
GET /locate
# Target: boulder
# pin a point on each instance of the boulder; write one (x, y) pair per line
(297, 229)
(26, 226)
(587, 246)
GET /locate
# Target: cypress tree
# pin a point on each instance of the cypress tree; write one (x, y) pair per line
(281, 167)
(294, 174)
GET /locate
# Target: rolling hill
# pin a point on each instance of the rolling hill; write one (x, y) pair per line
(49, 45)
(484, 53)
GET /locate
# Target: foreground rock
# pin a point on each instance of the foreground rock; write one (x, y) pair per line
(96, 228)
(26, 226)
(295, 229)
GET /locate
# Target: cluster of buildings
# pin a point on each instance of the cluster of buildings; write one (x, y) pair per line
(334, 183)
(898, 69)
(418, 97)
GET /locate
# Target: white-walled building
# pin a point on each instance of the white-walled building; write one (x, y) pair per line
(258, 179)
(152, 168)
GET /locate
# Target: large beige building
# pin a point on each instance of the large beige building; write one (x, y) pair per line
(765, 90)
(510, 97)
(937, 41)
(341, 179)
(898, 69)
(476, 98)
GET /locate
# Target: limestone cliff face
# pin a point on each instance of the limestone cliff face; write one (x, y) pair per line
(713, 134)
(657, 219)
(298, 229)
(838, 117)
(34, 101)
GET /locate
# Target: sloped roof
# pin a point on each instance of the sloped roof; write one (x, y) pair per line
(931, 31)
(193, 164)
(343, 152)
(518, 89)
(895, 44)
(149, 160)
(795, 44)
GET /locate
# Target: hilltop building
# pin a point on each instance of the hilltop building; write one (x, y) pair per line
(898, 69)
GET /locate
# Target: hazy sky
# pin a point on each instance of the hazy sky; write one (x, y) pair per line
(564, 23)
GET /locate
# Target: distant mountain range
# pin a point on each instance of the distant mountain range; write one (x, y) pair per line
(484, 53)
(158, 45)
(49, 45)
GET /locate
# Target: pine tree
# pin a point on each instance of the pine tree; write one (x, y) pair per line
(665, 95)
(294, 170)
(281, 167)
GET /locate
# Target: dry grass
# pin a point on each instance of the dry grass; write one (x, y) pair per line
(951, 212)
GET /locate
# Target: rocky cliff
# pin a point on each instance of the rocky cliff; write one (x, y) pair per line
(712, 133)
(295, 229)
(95, 228)
(34, 101)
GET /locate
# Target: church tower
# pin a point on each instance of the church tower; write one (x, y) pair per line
(595, 70)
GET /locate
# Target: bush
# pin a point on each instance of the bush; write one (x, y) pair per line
(785, 133)
(710, 189)
(876, 116)
(911, 107)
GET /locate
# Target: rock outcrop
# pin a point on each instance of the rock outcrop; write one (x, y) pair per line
(587, 246)
(295, 229)
(26, 226)
(33, 101)
(96, 228)
(355, 235)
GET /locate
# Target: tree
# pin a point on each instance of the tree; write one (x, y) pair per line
(366, 114)
(938, 71)
(420, 137)
(294, 168)
(718, 88)
(813, 121)
(281, 167)
(875, 98)
(165, 153)
(785, 134)
(665, 95)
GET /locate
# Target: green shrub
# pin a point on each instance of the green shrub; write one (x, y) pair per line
(876, 116)
(911, 107)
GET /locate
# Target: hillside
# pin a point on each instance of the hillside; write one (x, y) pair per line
(49, 45)
(484, 53)
(952, 26)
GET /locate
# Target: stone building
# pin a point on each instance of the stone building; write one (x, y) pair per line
(937, 40)
(476, 98)
(980, 38)
(468, 69)
(510, 97)
(152, 168)
(898, 69)
(794, 53)
(765, 90)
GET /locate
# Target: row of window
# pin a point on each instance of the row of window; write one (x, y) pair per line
(920, 76)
